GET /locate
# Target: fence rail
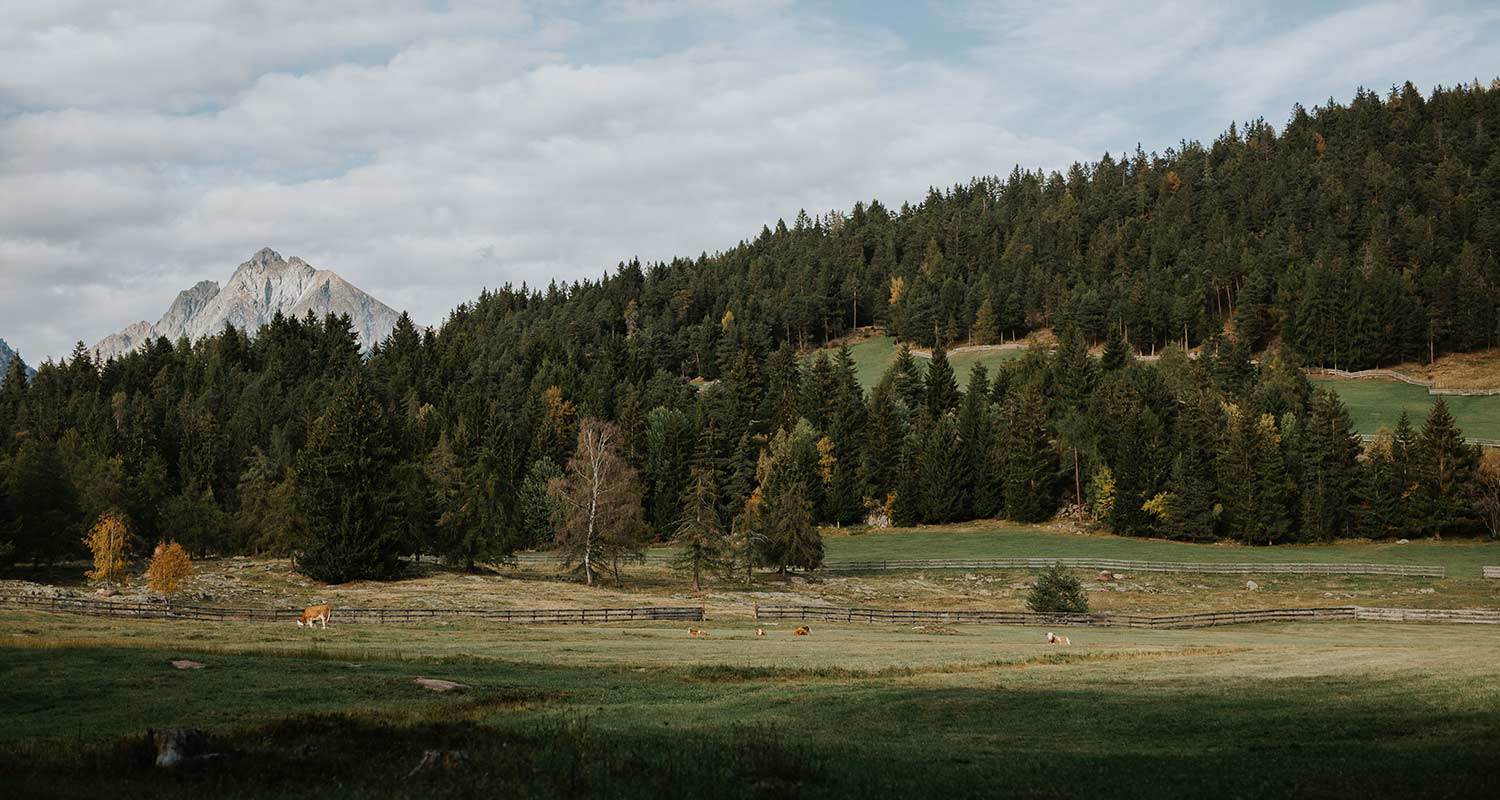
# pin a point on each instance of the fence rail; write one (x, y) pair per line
(1225, 568)
(1492, 572)
(543, 616)
(1390, 374)
(1111, 620)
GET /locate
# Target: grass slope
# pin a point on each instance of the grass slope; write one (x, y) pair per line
(872, 357)
(1376, 403)
(1331, 710)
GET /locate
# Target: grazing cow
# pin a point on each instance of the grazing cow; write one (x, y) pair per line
(314, 614)
(760, 631)
(697, 632)
(1053, 638)
(802, 631)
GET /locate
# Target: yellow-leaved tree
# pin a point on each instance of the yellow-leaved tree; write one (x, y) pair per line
(109, 541)
(170, 566)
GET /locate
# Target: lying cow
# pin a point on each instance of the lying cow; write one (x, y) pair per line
(802, 631)
(697, 632)
(1053, 638)
(314, 614)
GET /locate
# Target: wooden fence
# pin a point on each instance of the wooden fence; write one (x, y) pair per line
(1113, 564)
(1110, 620)
(540, 616)
(1492, 572)
(1119, 565)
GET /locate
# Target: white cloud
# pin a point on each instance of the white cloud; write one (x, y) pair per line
(425, 154)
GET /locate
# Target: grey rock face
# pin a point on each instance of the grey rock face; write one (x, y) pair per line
(258, 289)
(6, 354)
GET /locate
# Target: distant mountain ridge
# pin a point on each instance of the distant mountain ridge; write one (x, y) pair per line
(6, 354)
(257, 290)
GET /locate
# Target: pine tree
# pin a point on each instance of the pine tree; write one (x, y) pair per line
(942, 386)
(1055, 591)
(1446, 468)
(1116, 351)
(700, 532)
(1252, 479)
(537, 509)
(1030, 464)
(347, 496)
(783, 388)
(1140, 473)
(1192, 505)
(976, 439)
(986, 328)
(884, 438)
(907, 380)
(940, 473)
(1330, 471)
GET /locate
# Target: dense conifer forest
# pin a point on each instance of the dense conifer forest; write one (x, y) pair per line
(1357, 235)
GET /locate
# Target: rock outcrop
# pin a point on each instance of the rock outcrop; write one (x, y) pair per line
(6, 354)
(256, 291)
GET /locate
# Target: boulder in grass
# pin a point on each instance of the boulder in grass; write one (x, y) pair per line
(183, 663)
(1251, 585)
(440, 759)
(439, 685)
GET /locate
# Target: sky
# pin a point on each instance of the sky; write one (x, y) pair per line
(427, 150)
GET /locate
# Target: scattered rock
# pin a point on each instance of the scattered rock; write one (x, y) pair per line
(1428, 590)
(1251, 585)
(183, 663)
(106, 591)
(1403, 541)
(1120, 577)
(1105, 575)
(440, 759)
(438, 685)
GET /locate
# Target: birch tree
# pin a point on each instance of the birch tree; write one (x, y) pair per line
(599, 495)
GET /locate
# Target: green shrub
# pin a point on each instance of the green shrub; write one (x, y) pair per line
(1056, 590)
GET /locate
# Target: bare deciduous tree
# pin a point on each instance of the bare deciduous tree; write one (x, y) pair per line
(599, 495)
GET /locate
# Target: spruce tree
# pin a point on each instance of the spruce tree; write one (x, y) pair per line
(884, 439)
(347, 495)
(910, 388)
(700, 530)
(1030, 463)
(1116, 351)
(1446, 468)
(1330, 471)
(976, 440)
(940, 473)
(942, 386)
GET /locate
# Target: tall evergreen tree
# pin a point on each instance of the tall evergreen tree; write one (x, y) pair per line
(347, 494)
(1446, 467)
(942, 386)
(1330, 474)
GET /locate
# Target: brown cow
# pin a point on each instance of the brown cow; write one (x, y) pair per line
(802, 631)
(314, 614)
(1053, 638)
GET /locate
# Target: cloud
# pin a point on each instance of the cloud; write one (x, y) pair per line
(425, 151)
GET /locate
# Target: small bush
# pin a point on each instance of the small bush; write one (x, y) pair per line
(1056, 590)
(170, 566)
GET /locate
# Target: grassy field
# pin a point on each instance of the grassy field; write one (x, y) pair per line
(1376, 403)
(872, 357)
(1372, 403)
(1330, 710)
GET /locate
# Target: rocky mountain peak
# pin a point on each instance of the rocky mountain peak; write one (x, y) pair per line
(259, 288)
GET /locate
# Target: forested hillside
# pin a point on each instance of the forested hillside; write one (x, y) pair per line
(1358, 235)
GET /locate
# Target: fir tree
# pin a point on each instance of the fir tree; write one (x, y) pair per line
(1330, 471)
(1030, 464)
(942, 386)
(347, 495)
(1446, 468)
(700, 532)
